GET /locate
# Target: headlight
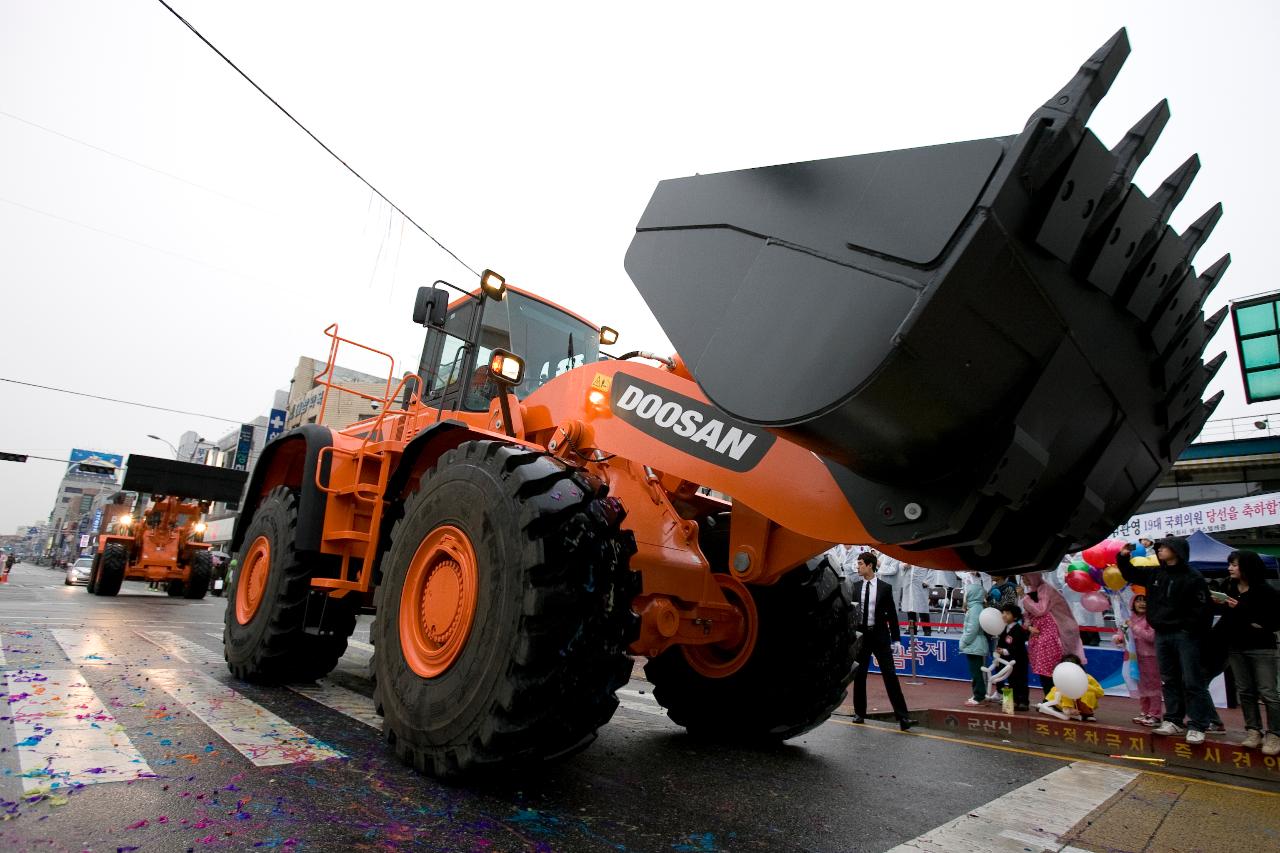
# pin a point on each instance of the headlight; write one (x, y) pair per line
(200, 527)
(125, 520)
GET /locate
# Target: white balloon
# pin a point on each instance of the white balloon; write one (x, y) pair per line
(991, 620)
(1070, 680)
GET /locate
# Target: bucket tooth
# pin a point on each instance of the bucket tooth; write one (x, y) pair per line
(1174, 187)
(1162, 269)
(1190, 389)
(1198, 232)
(1180, 311)
(1069, 110)
(1126, 240)
(1141, 138)
(1190, 426)
(1184, 355)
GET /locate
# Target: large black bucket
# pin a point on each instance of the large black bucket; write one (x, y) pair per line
(996, 345)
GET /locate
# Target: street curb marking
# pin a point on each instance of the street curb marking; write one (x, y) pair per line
(251, 729)
(1035, 816)
(64, 734)
(1068, 758)
(348, 702)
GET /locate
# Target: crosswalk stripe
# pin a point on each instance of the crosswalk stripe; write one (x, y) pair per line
(64, 735)
(252, 730)
(182, 648)
(643, 702)
(1033, 817)
(2, 661)
(344, 701)
(83, 649)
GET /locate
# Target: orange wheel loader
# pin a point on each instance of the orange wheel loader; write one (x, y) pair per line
(978, 355)
(164, 542)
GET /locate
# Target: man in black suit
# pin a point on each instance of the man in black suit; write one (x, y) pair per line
(878, 622)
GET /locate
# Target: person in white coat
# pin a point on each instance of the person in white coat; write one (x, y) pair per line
(915, 596)
(893, 572)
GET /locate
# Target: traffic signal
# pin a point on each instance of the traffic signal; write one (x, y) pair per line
(13, 457)
(95, 469)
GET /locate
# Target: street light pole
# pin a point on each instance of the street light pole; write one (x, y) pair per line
(171, 447)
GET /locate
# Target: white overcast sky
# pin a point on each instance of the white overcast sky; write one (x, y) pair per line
(526, 136)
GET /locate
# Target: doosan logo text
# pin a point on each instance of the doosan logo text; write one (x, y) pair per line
(686, 421)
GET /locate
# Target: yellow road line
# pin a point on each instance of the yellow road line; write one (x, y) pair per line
(1063, 758)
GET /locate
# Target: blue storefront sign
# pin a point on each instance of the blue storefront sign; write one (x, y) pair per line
(275, 424)
(243, 447)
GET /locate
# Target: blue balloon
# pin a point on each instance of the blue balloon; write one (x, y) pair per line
(1139, 550)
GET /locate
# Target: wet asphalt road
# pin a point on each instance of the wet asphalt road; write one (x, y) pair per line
(644, 785)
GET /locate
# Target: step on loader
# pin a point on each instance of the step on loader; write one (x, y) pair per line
(978, 355)
(162, 543)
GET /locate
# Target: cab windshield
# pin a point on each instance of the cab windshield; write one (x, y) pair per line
(549, 340)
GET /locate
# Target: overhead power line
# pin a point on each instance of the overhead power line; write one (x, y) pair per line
(305, 130)
(122, 402)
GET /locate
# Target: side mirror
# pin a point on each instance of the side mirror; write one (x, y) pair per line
(431, 306)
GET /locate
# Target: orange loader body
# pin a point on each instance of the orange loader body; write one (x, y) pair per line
(875, 350)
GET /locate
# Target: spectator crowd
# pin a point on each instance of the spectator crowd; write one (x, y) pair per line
(1180, 629)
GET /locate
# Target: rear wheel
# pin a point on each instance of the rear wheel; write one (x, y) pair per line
(174, 589)
(797, 674)
(270, 637)
(201, 572)
(505, 612)
(111, 570)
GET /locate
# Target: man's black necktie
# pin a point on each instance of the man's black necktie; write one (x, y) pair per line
(866, 604)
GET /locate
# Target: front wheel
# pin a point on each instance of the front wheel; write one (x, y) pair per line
(111, 570)
(201, 571)
(797, 674)
(267, 638)
(505, 612)
(93, 574)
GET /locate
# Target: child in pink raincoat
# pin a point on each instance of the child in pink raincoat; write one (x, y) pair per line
(1150, 694)
(1044, 649)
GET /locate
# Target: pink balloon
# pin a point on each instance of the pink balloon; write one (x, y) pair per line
(1081, 582)
(1095, 602)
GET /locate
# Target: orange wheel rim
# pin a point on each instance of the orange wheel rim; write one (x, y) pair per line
(253, 579)
(717, 660)
(438, 601)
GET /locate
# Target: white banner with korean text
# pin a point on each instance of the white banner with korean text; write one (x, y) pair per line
(1234, 514)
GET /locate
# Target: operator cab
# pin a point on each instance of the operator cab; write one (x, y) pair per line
(550, 339)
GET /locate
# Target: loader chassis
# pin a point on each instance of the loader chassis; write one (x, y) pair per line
(520, 533)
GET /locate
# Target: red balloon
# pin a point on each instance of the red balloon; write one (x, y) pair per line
(1081, 582)
(1095, 556)
(1112, 548)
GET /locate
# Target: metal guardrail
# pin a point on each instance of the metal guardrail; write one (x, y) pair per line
(1233, 429)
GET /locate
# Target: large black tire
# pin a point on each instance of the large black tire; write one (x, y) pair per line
(93, 575)
(111, 570)
(173, 589)
(201, 573)
(796, 676)
(274, 645)
(547, 648)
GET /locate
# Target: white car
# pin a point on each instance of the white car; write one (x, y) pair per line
(78, 572)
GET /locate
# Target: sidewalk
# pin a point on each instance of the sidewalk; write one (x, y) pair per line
(939, 705)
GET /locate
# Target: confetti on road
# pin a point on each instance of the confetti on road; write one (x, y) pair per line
(64, 734)
(252, 730)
